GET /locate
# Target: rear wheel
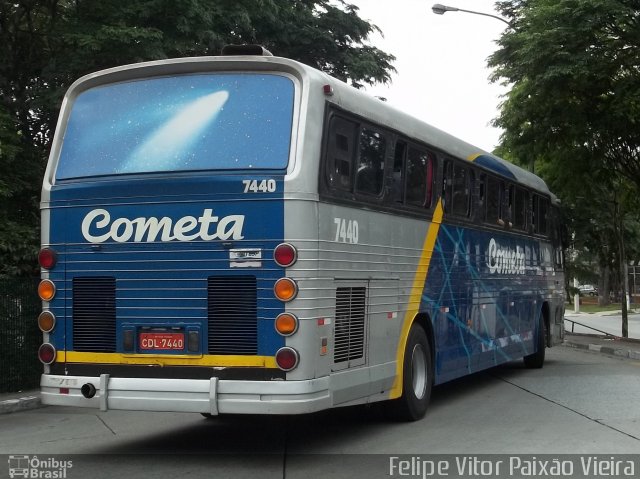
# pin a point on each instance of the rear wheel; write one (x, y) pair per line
(536, 360)
(417, 378)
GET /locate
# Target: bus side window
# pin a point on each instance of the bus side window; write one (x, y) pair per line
(494, 194)
(461, 189)
(520, 210)
(447, 182)
(508, 206)
(419, 177)
(480, 210)
(543, 217)
(556, 236)
(370, 173)
(540, 212)
(397, 186)
(340, 153)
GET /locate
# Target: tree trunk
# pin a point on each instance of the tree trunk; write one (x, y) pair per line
(604, 286)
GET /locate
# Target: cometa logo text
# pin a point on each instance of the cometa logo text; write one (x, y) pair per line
(505, 260)
(98, 227)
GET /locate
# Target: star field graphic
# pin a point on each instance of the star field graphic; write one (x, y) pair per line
(180, 123)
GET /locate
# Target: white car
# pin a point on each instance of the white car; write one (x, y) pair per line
(588, 290)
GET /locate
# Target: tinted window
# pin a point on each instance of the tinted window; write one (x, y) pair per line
(493, 196)
(370, 172)
(419, 177)
(520, 209)
(179, 123)
(460, 190)
(397, 185)
(341, 151)
(540, 212)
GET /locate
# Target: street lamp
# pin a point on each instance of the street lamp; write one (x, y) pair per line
(440, 9)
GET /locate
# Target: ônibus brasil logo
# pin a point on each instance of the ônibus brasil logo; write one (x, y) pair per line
(98, 227)
(35, 468)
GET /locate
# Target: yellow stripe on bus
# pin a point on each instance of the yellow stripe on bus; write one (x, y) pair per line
(416, 296)
(166, 360)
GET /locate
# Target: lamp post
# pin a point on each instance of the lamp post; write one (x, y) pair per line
(440, 9)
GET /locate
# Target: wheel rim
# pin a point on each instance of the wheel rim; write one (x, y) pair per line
(419, 371)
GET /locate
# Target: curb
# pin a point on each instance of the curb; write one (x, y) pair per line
(609, 351)
(20, 404)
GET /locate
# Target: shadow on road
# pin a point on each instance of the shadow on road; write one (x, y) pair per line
(255, 434)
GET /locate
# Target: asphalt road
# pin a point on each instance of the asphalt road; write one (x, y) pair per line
(580, 403)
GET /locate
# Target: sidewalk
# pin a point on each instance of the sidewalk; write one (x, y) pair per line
(618, 347)
(20, 401)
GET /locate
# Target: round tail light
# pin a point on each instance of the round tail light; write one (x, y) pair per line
(46, 321)
(286, 324)
(47, 258)
(46, 290)
(285, 289)
(47, 353)
(285, 254)
(287, 358)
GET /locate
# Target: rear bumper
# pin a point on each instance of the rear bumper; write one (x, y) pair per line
(213, 396)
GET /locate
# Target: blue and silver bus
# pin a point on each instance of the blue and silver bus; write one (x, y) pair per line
(244, 234)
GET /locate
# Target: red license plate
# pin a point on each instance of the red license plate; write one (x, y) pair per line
(162, 341)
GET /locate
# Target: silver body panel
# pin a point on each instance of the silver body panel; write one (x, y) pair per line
(383, 259)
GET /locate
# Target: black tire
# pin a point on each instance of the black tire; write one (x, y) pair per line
(417, 378)
(536, 360)
(207, 415)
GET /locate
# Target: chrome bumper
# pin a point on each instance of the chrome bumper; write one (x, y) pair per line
(213, 396)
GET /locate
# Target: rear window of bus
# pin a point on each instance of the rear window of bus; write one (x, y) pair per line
(180, 123)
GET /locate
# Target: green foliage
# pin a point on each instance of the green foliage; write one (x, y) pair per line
(20, 337)
(573, 65)
(47, 44)
(573, 112)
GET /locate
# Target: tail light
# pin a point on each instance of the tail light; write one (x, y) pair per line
(47, 353)
(285, 289)
(285, 254)
(46, 290)
(287, 358)
(46, 321)
(286, 324)
(47, 258)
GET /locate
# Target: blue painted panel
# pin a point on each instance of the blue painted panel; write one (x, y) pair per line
(159, 283)
(494, 165)
(484, 293)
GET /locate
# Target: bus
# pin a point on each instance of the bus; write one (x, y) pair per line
(244, 234)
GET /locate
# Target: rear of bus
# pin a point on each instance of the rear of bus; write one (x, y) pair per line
(164, 260)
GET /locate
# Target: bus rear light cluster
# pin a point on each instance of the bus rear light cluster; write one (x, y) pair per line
(46, 290)
(287, 358)
(46, 321)
(285, 289)
(285, 255)
(47, 353)
(47, 258)
(286, 324)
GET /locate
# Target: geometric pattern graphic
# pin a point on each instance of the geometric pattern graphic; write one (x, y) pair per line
(484, 292)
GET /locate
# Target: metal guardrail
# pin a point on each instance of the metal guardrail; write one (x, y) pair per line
(573, 325)
(20, 336)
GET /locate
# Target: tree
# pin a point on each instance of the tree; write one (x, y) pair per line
(47, 44)
(573, 107)
(573, 67)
